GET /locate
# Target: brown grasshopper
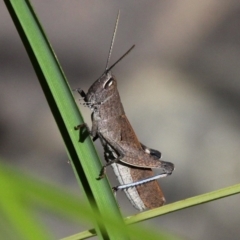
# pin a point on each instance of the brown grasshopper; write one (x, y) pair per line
(132, 161)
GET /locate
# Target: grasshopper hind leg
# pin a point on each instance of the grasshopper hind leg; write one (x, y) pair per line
(151, 151)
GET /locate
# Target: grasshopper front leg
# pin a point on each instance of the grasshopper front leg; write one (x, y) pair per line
(92, 132)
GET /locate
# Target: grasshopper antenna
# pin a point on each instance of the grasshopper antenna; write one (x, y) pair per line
(111, 48)
(125, 54)
(113, 39)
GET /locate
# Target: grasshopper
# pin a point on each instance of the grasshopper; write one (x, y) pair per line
(131, 160)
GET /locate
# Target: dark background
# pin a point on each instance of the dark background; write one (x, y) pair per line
(180, 88)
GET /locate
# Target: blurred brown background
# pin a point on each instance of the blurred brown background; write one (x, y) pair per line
(180, 88)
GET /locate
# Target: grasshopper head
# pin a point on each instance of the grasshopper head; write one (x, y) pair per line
(102, 89)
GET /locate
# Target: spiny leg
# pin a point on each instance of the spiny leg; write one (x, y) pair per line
(134, 184)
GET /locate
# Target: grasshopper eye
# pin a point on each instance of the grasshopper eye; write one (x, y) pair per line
(108, 83)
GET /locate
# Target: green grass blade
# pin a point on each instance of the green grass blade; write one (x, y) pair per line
(173, 207)
(135, 232)
(67, 116)
(186, 203)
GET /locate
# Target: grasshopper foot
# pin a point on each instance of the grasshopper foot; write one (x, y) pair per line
(102, 173)
(115, 189)
(82, 134)
(168, 167)
(80, 126)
